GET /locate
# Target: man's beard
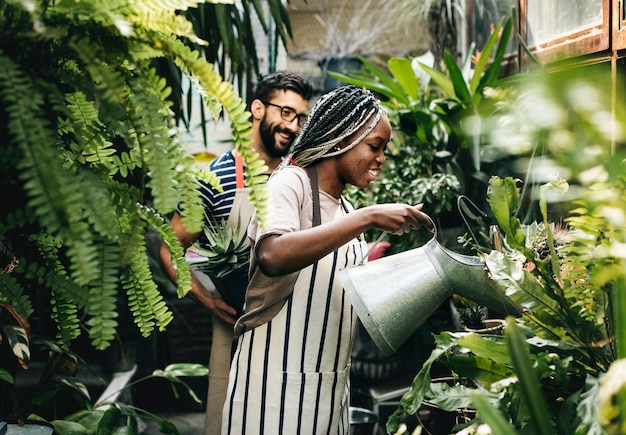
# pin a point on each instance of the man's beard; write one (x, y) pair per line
(267, 136)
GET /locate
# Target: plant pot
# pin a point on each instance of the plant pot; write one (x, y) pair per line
(492, 326)
(232, 286)
(340, 64)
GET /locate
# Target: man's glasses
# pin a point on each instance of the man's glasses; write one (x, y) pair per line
(288, 113)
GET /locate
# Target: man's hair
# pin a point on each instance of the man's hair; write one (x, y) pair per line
(269, 84)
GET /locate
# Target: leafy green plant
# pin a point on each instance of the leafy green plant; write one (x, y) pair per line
(554, 369)
(435, 154)
(565, 330)
(109, 416)
(226, 249)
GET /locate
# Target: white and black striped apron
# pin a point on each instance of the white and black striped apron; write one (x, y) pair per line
(291, 375)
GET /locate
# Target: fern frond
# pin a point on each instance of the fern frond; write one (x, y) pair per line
(101, 304)
(109, 82)
(171, 5)
(212, 84)
(12, 292)
(64, 311)
(168, 235)
(88, 136)
(144, 300)
(154, 138)
(124, 164)
(166, 22)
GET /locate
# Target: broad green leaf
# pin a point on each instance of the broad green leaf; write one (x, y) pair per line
(6, 376)
(503, 198)
(449, 397)
(64, 427)
(186, 369)
(480, 369)
(490, 415)
(532, 396)
(109, 421)
(403, 72)
(494, 348)
(442, 81)
(457, 79)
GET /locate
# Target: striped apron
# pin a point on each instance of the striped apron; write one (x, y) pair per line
(291, 375)
(222, 338)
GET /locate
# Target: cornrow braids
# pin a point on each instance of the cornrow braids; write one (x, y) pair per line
(337, 115)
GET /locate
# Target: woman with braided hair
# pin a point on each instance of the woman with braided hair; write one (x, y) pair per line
(290, 372)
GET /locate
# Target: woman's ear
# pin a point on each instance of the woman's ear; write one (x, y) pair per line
(257, 108)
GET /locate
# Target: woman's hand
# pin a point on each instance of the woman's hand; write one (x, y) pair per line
(399, 219)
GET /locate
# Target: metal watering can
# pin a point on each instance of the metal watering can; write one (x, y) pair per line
(394, 295)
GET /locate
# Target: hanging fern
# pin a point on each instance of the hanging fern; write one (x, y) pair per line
(92, 156)
(178, 254)
(101, 304)
(211, 84)
(144, 300)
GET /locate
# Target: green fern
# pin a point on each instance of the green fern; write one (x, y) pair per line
(101, 305)
(144, 300)
(64, 311)
(93, 156)
(178, 254)
(210, 83)
(12, 293)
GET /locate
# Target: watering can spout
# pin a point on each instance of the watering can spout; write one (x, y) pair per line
(394, 295)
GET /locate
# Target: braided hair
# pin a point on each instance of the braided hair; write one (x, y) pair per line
(337, 115)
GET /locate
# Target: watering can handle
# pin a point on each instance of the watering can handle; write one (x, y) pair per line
(383, 233)
(434, 230)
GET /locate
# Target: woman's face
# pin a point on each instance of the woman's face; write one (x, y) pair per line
(360, 165)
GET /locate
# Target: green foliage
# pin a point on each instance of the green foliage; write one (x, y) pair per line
(110, 416)
(92, 156)
(435, 153)
(226, 249)
(547, 365)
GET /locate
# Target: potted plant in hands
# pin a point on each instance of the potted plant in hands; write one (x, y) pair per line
(225, 261)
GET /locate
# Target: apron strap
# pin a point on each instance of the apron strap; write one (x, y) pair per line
(238, 170)
(312, 171)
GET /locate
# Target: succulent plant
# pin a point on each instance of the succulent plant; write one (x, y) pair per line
(227, 249)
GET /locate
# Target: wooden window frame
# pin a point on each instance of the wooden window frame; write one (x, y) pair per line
(592, 40)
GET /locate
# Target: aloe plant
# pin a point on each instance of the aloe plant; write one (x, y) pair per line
(226, 249)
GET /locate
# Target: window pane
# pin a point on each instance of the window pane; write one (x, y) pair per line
(548, 20)
(487, 14)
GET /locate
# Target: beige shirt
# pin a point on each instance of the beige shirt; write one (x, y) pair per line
(290, 209)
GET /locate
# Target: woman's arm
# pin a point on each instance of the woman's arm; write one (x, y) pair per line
(286, 253)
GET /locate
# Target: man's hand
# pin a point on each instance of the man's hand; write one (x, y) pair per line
(212, 304)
